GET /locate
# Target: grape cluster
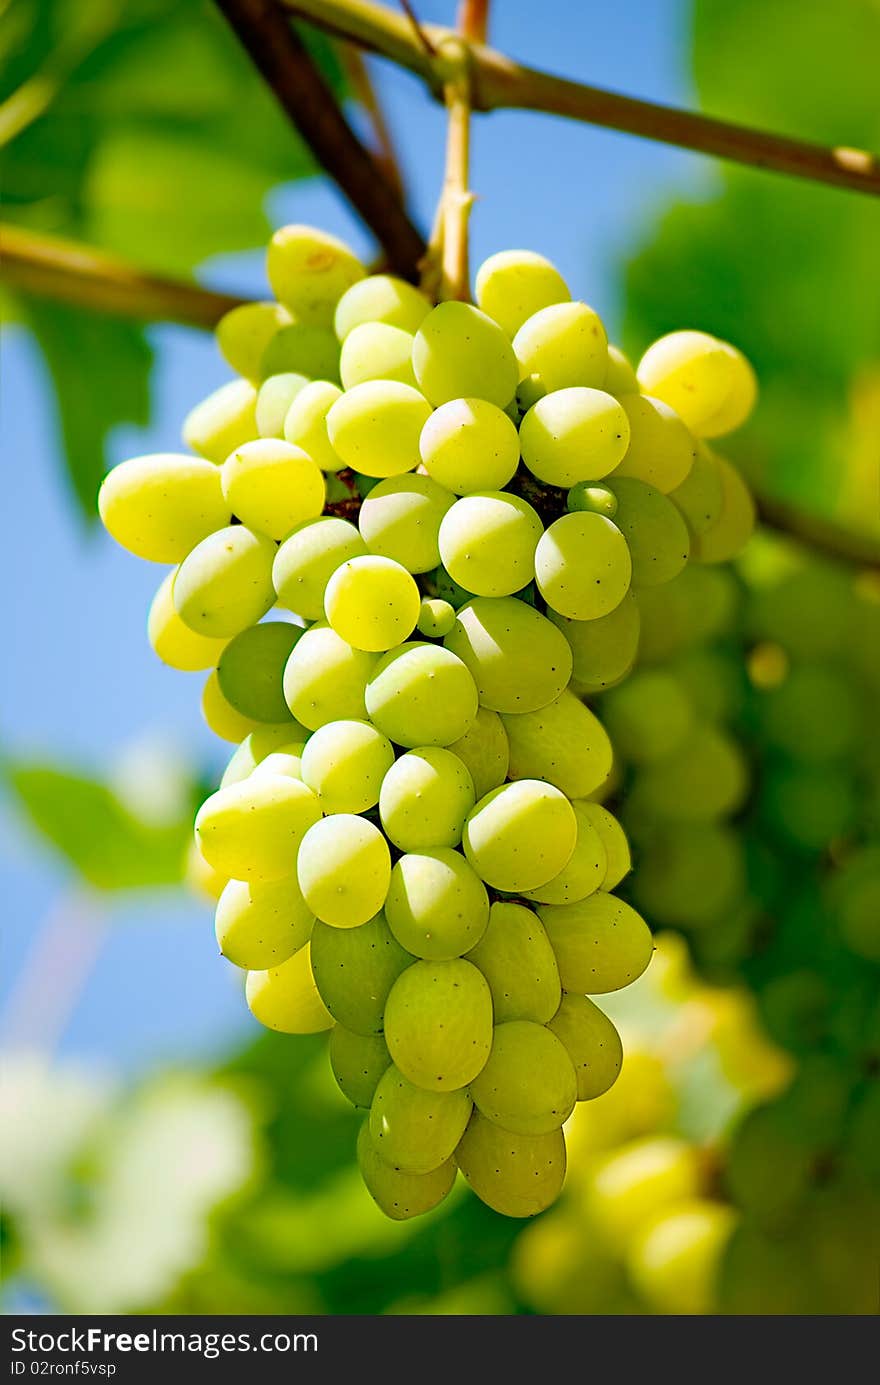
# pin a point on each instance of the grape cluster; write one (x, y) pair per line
(455, 509)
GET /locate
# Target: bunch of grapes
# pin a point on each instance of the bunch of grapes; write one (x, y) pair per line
(455, 509)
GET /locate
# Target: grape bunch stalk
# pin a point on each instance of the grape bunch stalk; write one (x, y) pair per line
(451, 510)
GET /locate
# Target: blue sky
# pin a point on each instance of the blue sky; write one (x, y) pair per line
(81, 683)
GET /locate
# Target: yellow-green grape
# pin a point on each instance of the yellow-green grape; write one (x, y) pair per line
(358, 1061)
(598, 500)
(564, 346)
(601, 944)
(674, 1261)
(656, 535)
(400, 1195)
(375, 427)
(617, 856)
(690, 371)
(401, 517)
(288, 760)
(304, 349)
(854, 894)
(309, 271)
(741, 396)
(661, 450)
(272, 486)
(584, 872)
(344, 763)
(591, 1042)
(307, 560)
(355, 969)
(470, 445)
(252, 830)
(160, 506)
(274, 398)
(438, 1024)
(325, 679)
(484, 750)
(244, 333)
(705, 777)
(516, 1175)
(583, 566)
(421, 694)
(520, 835)
(634, 1184)
(515, 956)
(225, 583)
(413, 1130)
(260, 743)
(648, 716)
(603, 651)
(425, 797)
(436, 618)
(219, 714)
(286, 997)
(700, 496)
(381, 298)
(372, 603)
(460, 353)
(251, 669)
(173, 642)
(260, 925)
(437, 906)
(620, 378)
(513, 284)
(201, 878)
(733, 528)
(488, 541)
(574, 434)
(518, 659)
(376, 351)
(564, 743)
(343, 868)
(305, 423)
(223, 421)
(528, 1084)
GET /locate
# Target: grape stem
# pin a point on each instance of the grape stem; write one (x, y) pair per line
(456, 198)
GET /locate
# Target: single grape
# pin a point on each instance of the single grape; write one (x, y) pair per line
(344, 867)
(674, 1262)
(586, 869)
(518, 659)
(705, 777)
(375, 427)
(583, 566)
(513, 284)
(613, 837)
(741, 396)
(225, 420)
(260, 925)
(516, 1175)
(592, 1044)
(460, 353)
(620, 378)
(251, 669)
(307, 560)
(488, 541)
(400, 1195)
(252, 830)
(304, 349)
(564, 347)
(484, 751)
(564, 743)
(730, 532)
(272, 486)
(376, 351)
(438, 1024)
(325, 679)
(358, 1061)
(598, 500)
(604, 650)
(520, 835)
(372, 603)
(286, 997)
(649, 716)
(425, 797)
(345, 763)
(160, 506)
(515, 956)
(437, 907)
(225, 583)
(173, 642)
(574, 434)
(661, 451)
(244, 333)
(601, 944)
(637, 1182)
(355, 969)
(656, 534)
(305, 423)
(274, 398)
(691, 876)
(309, 271)
(707, 381)
(421, 694)
(528, 1085)
(381, 298)
(219, 714)
(470, 445)
(436, 617)
(401, 518)
(413, 1130)
(700, 496)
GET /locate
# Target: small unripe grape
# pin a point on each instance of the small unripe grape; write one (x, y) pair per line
(597, 499)
(436, 618)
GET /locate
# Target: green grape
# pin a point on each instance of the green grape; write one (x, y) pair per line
(733, 528)
(376, 351)
(225, 583)
(307, 560)
(274, 398)
(656, 534)
(421, 694)
(705, 777)
(484, 750)
(372, 603)
(700, 496)
(258, 745)
(305, 423)
(513, 284)
(272, 486)
(325, 679)
(591, 1042)
(173, 642)
(286, 997)
(574, 434)
(690, 371)
(401, 517)
(159, 507)
(425, 797)
(438, 1024)
(381, 298)
(599, 500)
(355, 969)
(470, 445)
(219, 714)
(515, 956)
(516, 1175)
(344, 867)
(639, 1181)
(225, 420)
(691, 876)
(583, 566)
(769, 1164)
(620, 378)
(309, 271)
(358, 1061)
(585, 870)
(344, 763)
(854, 896)
(460, 353)
(564, 346)
(261, 925)
(436, 618)
(375, 427)
(520, 835)
(601, 944)
(604, 650)
(437, 906)
(674, 1262)
(252, 830)
(286, 761)
(714, 682)
(244, 333)
(814, 715)
(698, 605)
(614, 841)
(518, 659)
(648, 717)
(251, 668)
(304, 349)
(528, 1085)
(741, 396)
(809, 804)
(413, 1130)
(563, 743)
(488, 541)
(661, 451)
(400, 1195)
